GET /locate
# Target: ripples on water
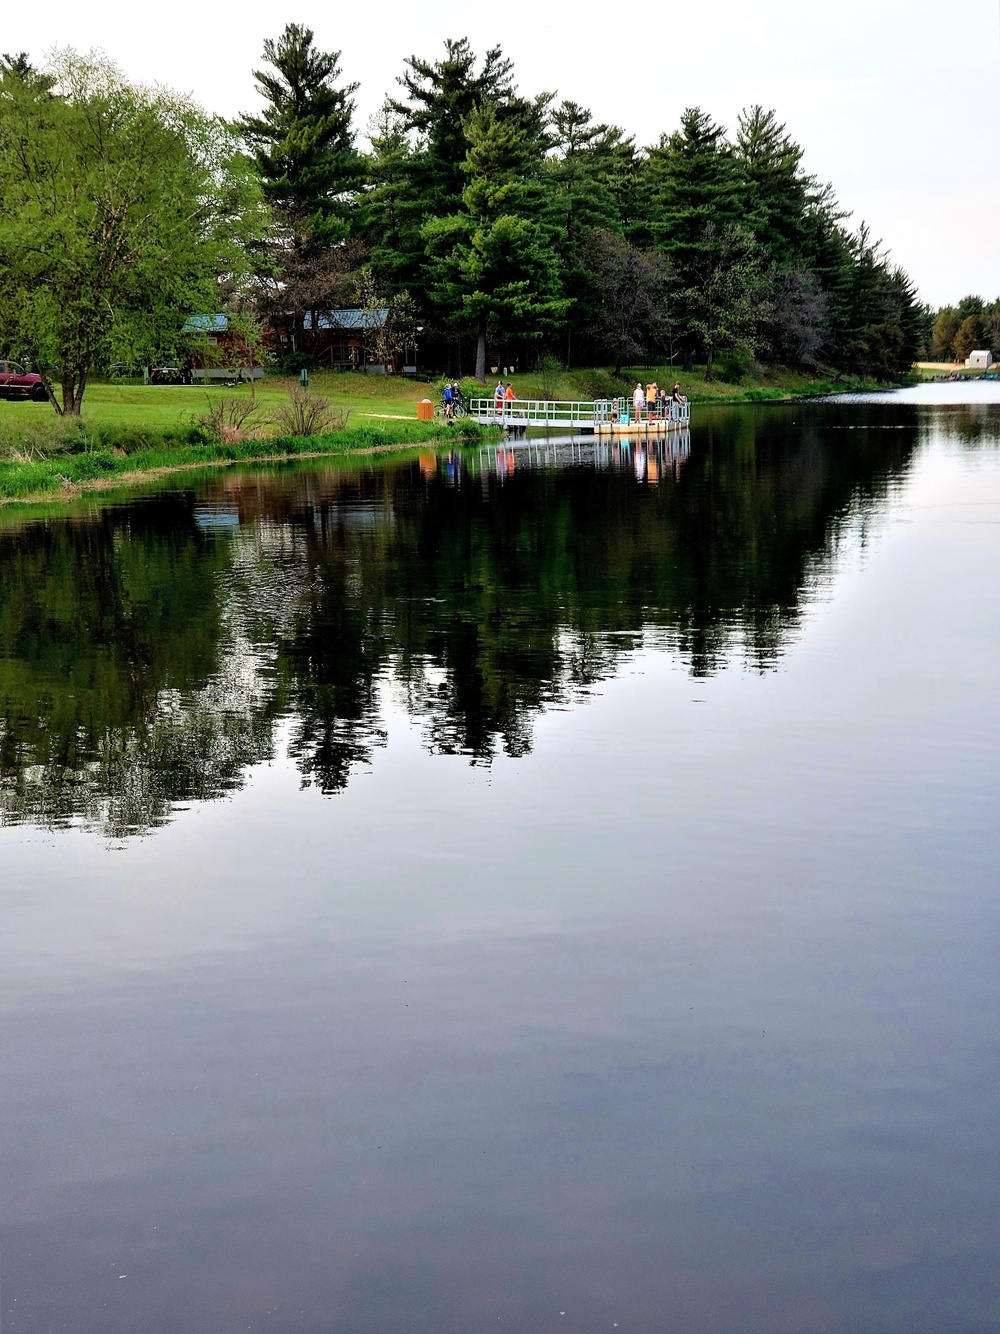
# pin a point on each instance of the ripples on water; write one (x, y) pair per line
(568, 887)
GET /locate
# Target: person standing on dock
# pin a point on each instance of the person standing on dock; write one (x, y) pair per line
(650, 399)
(509, 393)
(638, 400)
(498, 396)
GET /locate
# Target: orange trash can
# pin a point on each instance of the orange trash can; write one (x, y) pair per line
(425, 410)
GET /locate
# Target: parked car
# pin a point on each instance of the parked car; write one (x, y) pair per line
(169, 375)
(16, 382)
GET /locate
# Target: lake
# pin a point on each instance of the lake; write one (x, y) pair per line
(546, 889)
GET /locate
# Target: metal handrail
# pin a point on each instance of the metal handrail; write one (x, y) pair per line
(547, 412)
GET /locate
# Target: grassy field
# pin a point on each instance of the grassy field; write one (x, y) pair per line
(168, 408)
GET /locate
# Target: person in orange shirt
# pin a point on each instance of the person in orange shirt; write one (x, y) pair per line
(509, 393)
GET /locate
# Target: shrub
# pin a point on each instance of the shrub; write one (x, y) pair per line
(293, 362)
(548, 369)
(230, 420)
(308, 414)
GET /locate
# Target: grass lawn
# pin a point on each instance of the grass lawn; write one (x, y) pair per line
(172, 407)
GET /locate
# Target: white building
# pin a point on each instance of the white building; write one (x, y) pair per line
(979, 361)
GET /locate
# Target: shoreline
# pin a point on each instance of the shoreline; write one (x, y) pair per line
(64, 477)
(97, 485)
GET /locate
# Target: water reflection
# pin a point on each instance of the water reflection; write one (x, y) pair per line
(147, 652)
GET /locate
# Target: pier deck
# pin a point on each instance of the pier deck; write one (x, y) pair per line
(603, 416)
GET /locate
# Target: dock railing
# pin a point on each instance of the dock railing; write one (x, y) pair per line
(570, 414)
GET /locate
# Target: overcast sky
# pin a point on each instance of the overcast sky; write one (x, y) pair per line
(895, 103)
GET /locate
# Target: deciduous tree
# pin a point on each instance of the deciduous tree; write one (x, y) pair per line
(943, 337)
(120, 208)
(628, 296)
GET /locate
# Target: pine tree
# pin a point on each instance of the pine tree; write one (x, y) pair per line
(493, 266)
(774, 189)
(440, 97)
(692, 181)
(303, 147)
(302, 142)
(389, 216)
(580, 200)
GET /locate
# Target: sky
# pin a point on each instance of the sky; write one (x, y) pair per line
(897, 104)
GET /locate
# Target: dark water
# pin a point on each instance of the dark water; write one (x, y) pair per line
(536, 892)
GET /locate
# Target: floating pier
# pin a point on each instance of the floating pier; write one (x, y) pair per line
(603, 416)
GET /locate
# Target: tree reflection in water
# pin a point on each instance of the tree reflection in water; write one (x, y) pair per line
(148, 652)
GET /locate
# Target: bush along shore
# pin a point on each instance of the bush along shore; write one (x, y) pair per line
(108, 460)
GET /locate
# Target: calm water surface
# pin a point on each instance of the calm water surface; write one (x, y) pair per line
(547, 890)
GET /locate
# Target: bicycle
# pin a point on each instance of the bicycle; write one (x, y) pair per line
(459, 408)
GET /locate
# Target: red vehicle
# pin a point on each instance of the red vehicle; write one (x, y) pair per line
(16, 382)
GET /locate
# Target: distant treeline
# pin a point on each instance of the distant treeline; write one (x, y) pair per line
(496, 225)
(956, 331)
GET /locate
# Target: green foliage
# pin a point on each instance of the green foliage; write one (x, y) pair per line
(943, 337)
(966, 327)
(971, 335)
(692, 181)
(102, 458)
(302, 142)
(488, 218)
(120, 209)
(494, 266)
(303, 149)
(775, 192)
(441, 96)
(729, 305)
(628, 292)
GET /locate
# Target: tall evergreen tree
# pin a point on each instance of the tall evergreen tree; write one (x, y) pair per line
(493, 266)
(303, 147)
(773, 186)
(440, 97)
(691, 180)
(581, 201)
(303, 141)
(389, 216)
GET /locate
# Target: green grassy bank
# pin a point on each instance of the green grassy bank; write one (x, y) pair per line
(66, 473)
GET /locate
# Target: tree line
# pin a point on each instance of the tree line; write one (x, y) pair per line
(501, 225)
(956, 331)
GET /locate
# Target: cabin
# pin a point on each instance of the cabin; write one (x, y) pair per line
(343, 340)
(979, 361)
(216, 350)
